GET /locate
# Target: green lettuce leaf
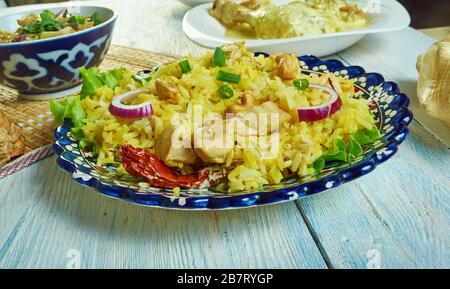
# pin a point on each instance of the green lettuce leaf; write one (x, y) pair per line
(112, 77)
(354, 148)
(318, 165)
(70, 109)
(93, 79)
(337, 153)
(365, 136)
(58, 108)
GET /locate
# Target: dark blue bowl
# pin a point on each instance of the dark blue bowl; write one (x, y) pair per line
(52, 65)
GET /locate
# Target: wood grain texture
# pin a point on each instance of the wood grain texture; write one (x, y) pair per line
(154, 26)
(44, 214)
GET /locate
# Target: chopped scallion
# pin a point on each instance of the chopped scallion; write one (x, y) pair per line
(301, 84)
(184, 65)
(228, 77)
(218, 57)
(226, 92)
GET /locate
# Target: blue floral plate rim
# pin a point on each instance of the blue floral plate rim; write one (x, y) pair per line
(374, 83)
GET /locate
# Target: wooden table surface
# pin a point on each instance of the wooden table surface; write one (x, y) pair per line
(397, 216)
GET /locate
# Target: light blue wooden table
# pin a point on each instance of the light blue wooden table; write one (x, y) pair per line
(397, 216)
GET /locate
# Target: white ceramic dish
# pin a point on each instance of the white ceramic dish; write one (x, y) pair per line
(386, 15)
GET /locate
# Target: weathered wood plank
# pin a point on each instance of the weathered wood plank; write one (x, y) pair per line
(46, 215)
(159, 30)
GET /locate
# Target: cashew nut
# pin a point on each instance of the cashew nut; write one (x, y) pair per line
(288, 66)
(246, 103)
(167, 91)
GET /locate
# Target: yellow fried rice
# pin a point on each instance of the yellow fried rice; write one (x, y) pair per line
(245, 168)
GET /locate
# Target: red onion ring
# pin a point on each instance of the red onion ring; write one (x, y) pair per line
(322, 111)
(117, 108)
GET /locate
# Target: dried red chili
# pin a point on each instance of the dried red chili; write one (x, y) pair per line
(141, 163)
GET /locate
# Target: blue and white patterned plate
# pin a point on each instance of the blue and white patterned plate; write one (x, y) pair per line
(387, 103)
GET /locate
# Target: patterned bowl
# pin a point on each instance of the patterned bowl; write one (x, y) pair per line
(387, 103)
(38, 69)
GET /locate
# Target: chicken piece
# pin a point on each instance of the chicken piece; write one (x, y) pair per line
(173, 145)
(264, 19)
(212, 142)
(288, 66)
(262, 119)
(230, 13)
(167, 91)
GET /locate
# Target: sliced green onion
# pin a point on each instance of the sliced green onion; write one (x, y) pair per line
(218, 57)
(228, 77)
(226, 92)
(301, 84)
(184, 65)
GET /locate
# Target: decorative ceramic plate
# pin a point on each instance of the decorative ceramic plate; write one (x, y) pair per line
(386, 15)
(389, 106)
